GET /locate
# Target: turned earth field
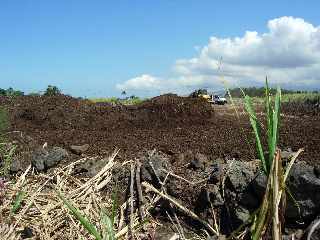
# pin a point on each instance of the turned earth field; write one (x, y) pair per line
(208, 151)
(171, 124)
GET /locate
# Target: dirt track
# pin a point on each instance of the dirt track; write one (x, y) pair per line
(168, 123)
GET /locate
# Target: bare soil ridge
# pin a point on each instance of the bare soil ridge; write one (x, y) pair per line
(172, 124)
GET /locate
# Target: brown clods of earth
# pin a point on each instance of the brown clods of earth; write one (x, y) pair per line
(169, 123)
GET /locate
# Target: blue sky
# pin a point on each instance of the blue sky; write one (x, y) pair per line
(98, 48)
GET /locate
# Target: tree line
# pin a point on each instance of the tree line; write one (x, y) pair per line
(10, 92)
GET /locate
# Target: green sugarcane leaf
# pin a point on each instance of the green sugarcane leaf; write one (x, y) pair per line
(256, 129)
(18, 200)
(80, 217)
(114, 207)
(269, 113)
(275, 125)
(107, 227)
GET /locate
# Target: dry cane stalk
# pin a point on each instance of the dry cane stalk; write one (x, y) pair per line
(182, 208)
(276, 192)
(139, 190)
(131, 200)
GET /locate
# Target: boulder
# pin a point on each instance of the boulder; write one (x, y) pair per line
(247, 189)
(240, 174)
(45, 158)
(289, 234)
(208, 196)
(16, 165)
(259, 184)
(216, 171)
(241, 215)
(317, 171)
(79, 149)
(91, 167)
(155, 166)
(304, 185)
(199, 162)
(315, 226)
(287, 154)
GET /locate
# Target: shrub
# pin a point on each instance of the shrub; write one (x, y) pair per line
(52, 91)
(10, 92)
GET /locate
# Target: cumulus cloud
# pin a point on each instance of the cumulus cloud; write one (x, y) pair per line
(144, 81)
(289, 53)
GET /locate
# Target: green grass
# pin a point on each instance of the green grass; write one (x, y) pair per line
(301, 97)
(290, 97)
(108, 100)
(129, 101)
(106, 232)
(16, 205)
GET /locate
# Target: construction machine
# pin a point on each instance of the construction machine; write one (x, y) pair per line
(211, 98)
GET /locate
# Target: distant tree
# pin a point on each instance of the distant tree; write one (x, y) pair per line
(52, 91)
(198, 92)
(3, 92)
(133, 97)
(17, 93)
(10, 92)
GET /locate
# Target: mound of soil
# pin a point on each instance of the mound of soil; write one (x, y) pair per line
(168, 123)
(65, 112)
(172, 108)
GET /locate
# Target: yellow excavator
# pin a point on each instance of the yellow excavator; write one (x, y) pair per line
(211, 98)
(207, 97)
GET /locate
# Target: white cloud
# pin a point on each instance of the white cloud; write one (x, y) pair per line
(143, 82)
(289, 53)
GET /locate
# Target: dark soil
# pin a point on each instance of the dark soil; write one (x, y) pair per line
(179, 127)
(168, 123)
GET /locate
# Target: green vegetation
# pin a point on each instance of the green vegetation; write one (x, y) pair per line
(34, 94)
(311, 97)
(273, 118)
(293, 97)
(106, 233)
(132, 100)
(10, 92)
(273, 202)
(198, 92)
(260, 92)
(16, 205)
(52, 91)
(286, 95)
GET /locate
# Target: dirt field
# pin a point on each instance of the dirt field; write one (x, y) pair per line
(193, 137)
(168, 123)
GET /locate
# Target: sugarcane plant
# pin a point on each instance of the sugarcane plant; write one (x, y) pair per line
(273, 203)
